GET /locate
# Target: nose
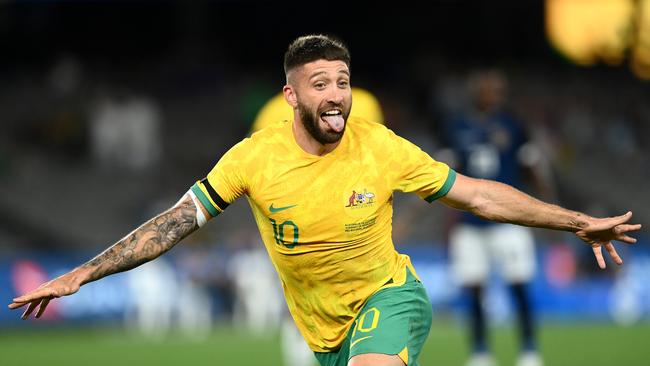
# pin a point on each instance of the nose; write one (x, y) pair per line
(335, 95)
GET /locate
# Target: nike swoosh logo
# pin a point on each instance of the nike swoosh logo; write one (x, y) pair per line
(359, 340)
(278, 209)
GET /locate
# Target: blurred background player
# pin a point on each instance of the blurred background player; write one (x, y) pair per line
(295, 351)
(258, 301)
(490, 143)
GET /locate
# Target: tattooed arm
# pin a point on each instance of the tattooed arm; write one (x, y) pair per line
(145, 243)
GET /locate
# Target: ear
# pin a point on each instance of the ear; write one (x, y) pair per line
(290, 95)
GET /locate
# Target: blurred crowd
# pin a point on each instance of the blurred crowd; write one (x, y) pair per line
(75, 143)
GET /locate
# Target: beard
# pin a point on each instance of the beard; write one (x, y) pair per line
(311, 121)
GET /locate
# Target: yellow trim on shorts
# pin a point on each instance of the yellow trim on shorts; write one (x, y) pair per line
(400, 279)
(359, 340)
(404, 355)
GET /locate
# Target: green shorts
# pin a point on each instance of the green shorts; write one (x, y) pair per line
(394, 321)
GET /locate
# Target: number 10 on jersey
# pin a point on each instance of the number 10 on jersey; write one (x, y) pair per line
(278, 233)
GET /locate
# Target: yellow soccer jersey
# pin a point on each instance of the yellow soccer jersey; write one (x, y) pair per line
(326, 220)
(364, 105)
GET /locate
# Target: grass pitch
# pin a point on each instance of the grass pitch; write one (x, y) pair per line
(574, 344)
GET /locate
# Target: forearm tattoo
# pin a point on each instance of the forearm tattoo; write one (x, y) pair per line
(147, 242)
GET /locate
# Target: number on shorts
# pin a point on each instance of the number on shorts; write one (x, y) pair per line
(360, 323)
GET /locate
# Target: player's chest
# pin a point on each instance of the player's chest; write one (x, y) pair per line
(338, 196)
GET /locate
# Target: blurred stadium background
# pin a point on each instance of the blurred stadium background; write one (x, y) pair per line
(110, 110)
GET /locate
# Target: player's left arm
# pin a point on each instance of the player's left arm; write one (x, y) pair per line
(500, 202)
(147, 242)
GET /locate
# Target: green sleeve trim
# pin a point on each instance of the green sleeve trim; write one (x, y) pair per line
(204, 200)
(451, 178)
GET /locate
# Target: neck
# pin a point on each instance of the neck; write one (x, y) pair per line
(307, 142)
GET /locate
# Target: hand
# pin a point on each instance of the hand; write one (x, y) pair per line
(61, 286)
(601, 232)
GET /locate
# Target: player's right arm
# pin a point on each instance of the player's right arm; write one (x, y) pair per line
(500, 202)
(143, 244)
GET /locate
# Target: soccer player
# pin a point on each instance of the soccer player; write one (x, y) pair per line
(321, 191)
(491, 144)
(295, 351)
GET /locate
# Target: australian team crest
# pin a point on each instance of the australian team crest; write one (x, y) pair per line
(360, 199)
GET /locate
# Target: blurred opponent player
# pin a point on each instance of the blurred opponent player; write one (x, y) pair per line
(491, 144)
(294, 349)
(321, 191)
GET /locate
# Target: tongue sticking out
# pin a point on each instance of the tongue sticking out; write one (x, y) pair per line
(335, 122)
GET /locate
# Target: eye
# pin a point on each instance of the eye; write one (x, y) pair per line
(343, 83)
(319, 85)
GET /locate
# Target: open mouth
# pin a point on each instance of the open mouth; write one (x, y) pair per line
(334, 119)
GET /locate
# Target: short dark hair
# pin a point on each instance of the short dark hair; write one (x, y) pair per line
(314, 47)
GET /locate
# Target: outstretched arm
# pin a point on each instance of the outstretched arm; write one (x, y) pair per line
(502, 203)
(143, 244)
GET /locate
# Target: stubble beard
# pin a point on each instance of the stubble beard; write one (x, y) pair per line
(311, 121)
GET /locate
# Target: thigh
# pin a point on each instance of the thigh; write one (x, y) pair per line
(376, 359)
(514, 251)
(470, 260)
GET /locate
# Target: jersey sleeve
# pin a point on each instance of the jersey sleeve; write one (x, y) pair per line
(224, 183)
(417, 171)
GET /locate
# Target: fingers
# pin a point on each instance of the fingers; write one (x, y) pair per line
(16, 305)
(624, 228)
(34, 295)
(24, 299)
(626, 239)
(46, 301)
(33, 304)
(612, 252)
(623, 218)
(33, 299)
(598, 252)
(30, 309)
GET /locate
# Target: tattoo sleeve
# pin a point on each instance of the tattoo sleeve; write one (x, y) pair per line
(147, 242)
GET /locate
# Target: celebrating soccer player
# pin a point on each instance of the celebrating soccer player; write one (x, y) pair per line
(321, 190)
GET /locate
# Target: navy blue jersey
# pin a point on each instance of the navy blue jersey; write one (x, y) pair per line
(487, 148)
